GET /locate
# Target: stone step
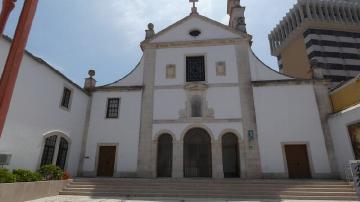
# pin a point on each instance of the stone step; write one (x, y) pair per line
(195, 181)
(209, 188)
(213, 196)
(234, 188)
(210, 185)
(227, 192)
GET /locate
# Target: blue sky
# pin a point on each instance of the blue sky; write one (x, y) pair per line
(76, 35)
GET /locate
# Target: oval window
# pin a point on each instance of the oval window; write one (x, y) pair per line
(195, 33)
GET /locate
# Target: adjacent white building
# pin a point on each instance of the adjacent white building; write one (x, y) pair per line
(198, 104)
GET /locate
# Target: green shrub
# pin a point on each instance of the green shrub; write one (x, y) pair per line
(27, 176)
(51, 172)
(6, 176)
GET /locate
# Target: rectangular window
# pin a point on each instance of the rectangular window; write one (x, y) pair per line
(195, 69)
(66, 98)
(112, 111)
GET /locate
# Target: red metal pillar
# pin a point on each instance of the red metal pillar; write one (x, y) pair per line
(7, 7)
(12, 65)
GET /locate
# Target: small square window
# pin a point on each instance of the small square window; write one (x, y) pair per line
(112, 111)
(66, 98)
(220, 69)
(170, 71)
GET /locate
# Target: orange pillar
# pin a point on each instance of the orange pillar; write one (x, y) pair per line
(12, 65)
(7, 7)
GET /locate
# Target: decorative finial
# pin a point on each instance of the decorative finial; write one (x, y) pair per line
(91, 73)
(194, 9)
(90, 83)
(151, 26)
(150, 31)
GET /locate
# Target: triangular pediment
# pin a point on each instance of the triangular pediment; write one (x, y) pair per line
(209, 29)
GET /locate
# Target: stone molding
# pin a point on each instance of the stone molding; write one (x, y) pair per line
(206, 19)
(119, 88)
(197, 121)
(289, 82)
(209, 85)
(194, 43)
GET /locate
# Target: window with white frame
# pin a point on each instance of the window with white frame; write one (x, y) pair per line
(112, 111)
(55, 151)
(66, 98)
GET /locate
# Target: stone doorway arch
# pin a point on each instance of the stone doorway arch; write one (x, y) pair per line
(197, 154)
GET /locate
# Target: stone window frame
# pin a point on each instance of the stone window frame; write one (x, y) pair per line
(203, 54)
(218, 66)
(66, 87)
(59, 136)
(107, 108)
(168, 69)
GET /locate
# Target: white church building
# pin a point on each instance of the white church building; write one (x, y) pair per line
(198, 104)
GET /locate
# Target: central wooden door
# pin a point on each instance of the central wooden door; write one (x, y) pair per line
(197, 154)
(297, 161)
(106, 162)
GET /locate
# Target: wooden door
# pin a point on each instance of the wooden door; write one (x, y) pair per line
(106, 161)
(297, 161)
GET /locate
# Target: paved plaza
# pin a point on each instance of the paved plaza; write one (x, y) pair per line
(115, 199)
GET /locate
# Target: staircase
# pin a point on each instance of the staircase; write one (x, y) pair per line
(214, 189)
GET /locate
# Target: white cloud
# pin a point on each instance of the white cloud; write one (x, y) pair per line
(130, 18)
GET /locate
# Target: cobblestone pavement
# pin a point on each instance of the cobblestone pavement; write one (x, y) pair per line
(105, 199)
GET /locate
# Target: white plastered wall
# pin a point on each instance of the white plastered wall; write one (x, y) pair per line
(123, 132)
(213, 54)
(289, 114)
(261, 72)
(35, 111)
(339, 123)
(208, 31)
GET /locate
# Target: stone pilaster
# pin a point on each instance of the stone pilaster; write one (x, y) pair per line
(85, 137)
(178, 153)
(217, 164)
(145, 167)
(325, 109)
(242, 159)
(252, 162)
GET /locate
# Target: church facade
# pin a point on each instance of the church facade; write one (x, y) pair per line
(198, 104)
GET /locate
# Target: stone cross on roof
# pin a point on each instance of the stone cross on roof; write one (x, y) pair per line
(194, 9)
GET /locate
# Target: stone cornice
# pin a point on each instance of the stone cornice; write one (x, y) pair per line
(211, 85)
(118, 88)
(289, 82)
(194, 43)
(197, 120)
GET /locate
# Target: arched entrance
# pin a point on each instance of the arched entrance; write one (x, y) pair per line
(164, 156)
(230, 155)
(197, 154)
